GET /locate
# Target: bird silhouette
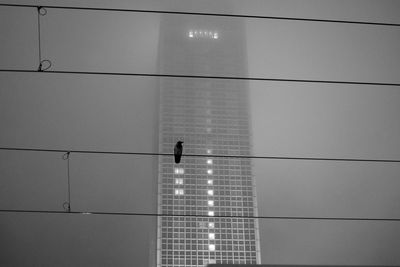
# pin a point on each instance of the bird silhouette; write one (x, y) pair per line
(178, 151)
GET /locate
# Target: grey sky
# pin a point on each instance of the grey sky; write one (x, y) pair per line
(120, 113)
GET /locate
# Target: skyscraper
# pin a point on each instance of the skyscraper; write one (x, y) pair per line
(208, 203)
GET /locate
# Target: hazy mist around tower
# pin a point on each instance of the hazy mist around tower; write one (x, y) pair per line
(120, 113)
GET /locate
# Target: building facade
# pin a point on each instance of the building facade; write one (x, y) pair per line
(208, 204)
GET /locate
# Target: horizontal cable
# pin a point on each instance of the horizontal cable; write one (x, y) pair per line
(202, 77)
(201, 216)
(199, 155)
(209, 14)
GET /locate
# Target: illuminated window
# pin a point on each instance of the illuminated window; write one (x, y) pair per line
(211, 213)
(212, 261)
(178, 181)
(179, 192)
(209, 171)
(211, 225)
(211, 236)
(179, 171)
(209, 161)
(210, 192)
(211, 203)
(209, 151)
(210, 182)
(211, 247)
(203, 34)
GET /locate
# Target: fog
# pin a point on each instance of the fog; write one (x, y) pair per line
(106, 112)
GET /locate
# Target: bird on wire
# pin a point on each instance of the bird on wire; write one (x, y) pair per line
(178, 151)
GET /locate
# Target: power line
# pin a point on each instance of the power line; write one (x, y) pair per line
(200, 155)
(202, 77)
(201, 216)
(209, 14)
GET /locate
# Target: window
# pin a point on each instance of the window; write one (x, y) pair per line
(179, 171)
(211, 236)
(178, 181)
(210, 182)
(209, 161)
(211, 213)
(179, 192)
(211, 203)
(211, 247)
(210, 192)
(203, 34)
(210, 171)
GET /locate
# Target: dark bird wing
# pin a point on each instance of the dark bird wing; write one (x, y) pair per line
(178, 152)
(177, 158)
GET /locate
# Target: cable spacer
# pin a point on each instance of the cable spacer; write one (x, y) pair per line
(66, 155)
(44, 65)
(67, 206)
(42, 11)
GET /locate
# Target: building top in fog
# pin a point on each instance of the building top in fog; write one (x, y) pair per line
(208, 204)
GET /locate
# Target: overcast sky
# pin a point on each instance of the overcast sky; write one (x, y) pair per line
(120, 113)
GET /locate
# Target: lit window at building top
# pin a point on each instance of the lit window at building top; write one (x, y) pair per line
(206, 34)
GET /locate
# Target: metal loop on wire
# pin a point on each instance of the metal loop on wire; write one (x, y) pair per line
(44, 65)
(66, 155)
(66, 206)
(42, 11)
